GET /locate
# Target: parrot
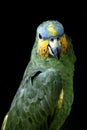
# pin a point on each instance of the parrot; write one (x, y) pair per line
(45, 96)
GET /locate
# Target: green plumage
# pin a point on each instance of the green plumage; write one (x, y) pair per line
(35, 105)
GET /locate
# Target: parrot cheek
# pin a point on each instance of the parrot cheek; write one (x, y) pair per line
(64, 43)
(43, 48)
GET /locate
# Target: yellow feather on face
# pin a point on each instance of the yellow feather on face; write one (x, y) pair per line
(52, 30)
(43, 48)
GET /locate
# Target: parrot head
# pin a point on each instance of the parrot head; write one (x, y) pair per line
(51, 39)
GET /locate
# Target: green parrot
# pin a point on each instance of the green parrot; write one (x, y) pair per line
(45, 96)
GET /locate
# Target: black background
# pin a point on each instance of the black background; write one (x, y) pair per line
(18, 30)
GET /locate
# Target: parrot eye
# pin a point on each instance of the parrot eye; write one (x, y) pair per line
(51, 39)
(57, 38)
(40, 36)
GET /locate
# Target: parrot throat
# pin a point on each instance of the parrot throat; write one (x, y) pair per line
(42, 48)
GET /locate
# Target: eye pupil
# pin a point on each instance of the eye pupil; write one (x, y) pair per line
(40, 36)
(51, 39)
(57, 38)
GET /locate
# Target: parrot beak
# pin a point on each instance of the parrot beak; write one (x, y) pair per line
(56, 52)
(55, 48)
